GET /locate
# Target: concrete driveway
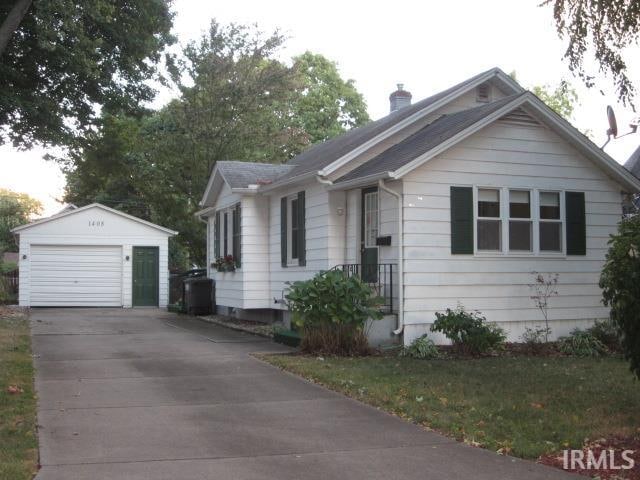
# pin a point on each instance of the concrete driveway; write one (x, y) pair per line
(144, 394)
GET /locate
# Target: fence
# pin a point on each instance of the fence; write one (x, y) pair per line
(9, 283)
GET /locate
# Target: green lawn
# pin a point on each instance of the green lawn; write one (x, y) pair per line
(18, 442)
(525, 406)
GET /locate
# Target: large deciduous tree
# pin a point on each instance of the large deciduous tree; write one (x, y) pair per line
(61, 60)
(326, 105)
(15, 209)
(561, 98)
(237, 102)
(605, 28)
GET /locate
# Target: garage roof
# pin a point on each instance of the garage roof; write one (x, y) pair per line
(87, 207)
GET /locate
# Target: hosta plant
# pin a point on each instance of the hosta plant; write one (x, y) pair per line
(331, 311)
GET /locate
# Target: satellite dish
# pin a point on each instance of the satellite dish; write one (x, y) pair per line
(613, 124)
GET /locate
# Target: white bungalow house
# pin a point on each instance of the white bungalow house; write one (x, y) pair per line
(454, 199)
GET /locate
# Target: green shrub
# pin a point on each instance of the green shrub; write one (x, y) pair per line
(468, 331)
(582, 343)
(620, 283)
(422, 348)
(331, 311)
(607, 332)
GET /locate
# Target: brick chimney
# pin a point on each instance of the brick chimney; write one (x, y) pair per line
(399, 99)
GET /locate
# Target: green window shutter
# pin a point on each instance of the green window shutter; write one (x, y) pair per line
(237, 235)
(461, 220)
(216, 236)
(302, 253)
(283, 231)
(576, 228)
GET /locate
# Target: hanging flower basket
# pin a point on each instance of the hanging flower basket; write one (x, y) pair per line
(225, 264)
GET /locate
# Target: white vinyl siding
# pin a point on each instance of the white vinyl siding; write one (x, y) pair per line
(76, 276)
(248, 286)
(325, 236)
(504, 156)
(229, 285)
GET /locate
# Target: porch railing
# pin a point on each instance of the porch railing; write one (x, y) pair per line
(380, 277)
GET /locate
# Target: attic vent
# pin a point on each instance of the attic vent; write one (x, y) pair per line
(520, 117)
(483, 93)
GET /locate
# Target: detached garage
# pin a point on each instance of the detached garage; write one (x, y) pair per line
(93, 256)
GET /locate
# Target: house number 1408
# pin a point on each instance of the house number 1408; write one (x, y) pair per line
(96, 223)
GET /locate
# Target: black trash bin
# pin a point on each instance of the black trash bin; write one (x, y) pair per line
(198, 295)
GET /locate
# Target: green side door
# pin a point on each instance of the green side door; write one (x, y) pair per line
(145, 276)
(369, 230)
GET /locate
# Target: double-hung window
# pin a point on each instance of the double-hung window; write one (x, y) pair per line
(292, 230)
(550, 222)
(489, 223)
(520, 223)
(227, 233)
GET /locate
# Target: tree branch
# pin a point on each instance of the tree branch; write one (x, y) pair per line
(12, 22)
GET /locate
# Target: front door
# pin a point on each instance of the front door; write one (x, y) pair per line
(368, 234)
(145, 276)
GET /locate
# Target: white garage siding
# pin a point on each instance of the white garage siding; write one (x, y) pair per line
(503, 155)
(76, 275)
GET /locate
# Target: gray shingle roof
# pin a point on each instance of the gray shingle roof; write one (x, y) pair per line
(323, 154)
(242, 174)
(633, 164)
(424, 140)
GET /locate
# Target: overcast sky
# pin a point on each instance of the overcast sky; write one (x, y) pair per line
(428, 46)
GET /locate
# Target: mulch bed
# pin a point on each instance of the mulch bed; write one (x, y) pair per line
(617, 444)
(257, 328)
(12, 311)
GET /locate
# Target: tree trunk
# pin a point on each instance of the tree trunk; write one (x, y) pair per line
(12, 22)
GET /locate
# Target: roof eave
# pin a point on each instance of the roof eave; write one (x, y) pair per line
(251, 189)
(290, 181)
(207, 190)
(359, 182)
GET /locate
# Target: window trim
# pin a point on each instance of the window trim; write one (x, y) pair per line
(504, 219)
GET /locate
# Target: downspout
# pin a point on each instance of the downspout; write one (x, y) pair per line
(398, 196)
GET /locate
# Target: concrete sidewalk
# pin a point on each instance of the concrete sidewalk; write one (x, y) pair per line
(145, 394)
